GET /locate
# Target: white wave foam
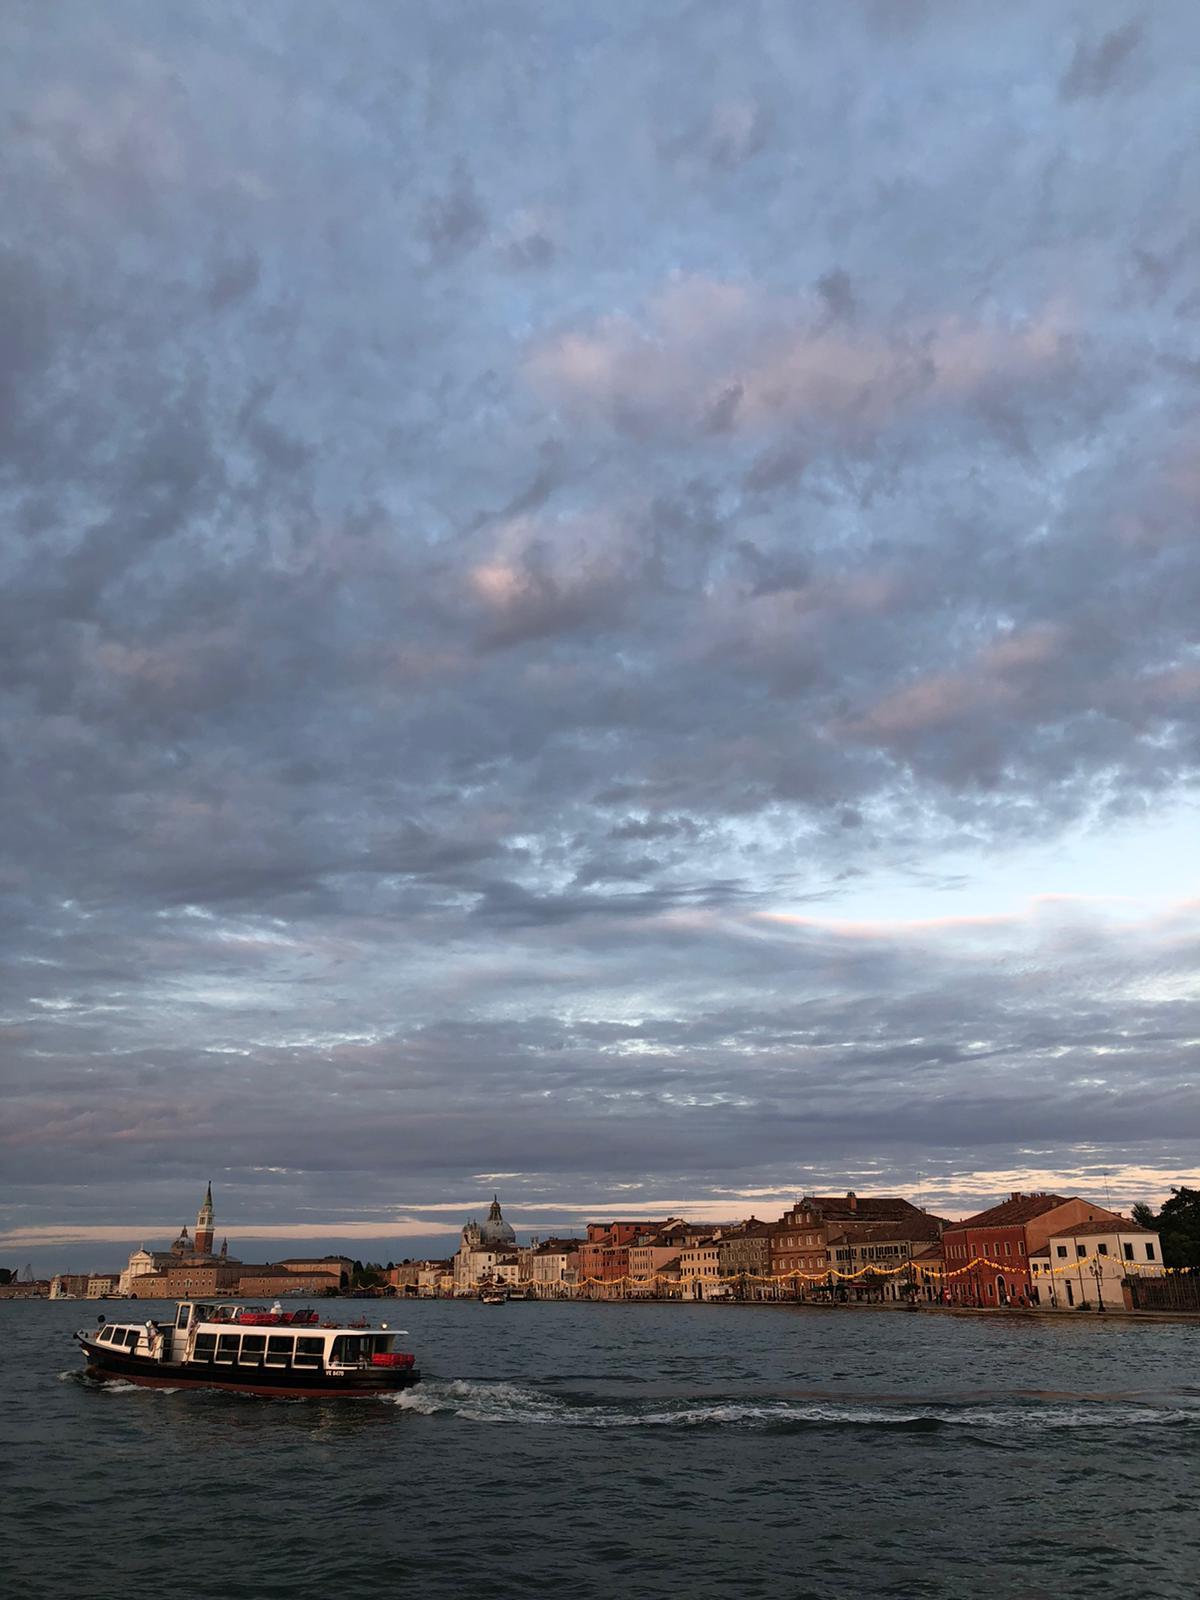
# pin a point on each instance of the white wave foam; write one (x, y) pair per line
(478, 1401)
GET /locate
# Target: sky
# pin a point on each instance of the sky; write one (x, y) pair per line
(596, 603)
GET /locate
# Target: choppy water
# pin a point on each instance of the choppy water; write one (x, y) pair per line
(632, 1451)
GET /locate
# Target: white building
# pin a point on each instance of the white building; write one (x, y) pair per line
(700, 1270)
(1085, 1264)
(488, 1253)
(554, 1268)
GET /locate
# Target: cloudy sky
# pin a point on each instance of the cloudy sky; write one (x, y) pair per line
(602, 602)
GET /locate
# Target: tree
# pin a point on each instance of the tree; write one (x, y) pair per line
(1177, 1224)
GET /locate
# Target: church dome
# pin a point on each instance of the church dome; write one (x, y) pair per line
(495, 1231)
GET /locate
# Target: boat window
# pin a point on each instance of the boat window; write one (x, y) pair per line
(181, 1320)
(253, 1346)
(131, 1337)
(309, 1352)
(279, 1349)
(350, 1350)
(206, 1345)
(107, 1333)
(227, 1346)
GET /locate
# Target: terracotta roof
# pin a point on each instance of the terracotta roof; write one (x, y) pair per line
(1011, 1212)
(1078, 1230)
(1044, 1251)
(860, 1208)
(871, 1232)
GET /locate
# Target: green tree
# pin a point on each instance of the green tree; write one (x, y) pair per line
(1177, 1224)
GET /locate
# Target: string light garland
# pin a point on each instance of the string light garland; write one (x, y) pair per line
(933, 1274)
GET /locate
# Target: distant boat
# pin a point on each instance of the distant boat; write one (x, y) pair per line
(493, 1297)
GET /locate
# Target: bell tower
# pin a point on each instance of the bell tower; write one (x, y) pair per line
(204, 1225)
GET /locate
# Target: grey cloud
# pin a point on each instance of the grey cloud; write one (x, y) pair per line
(1097, 64)
(454, 221)
(480, 532)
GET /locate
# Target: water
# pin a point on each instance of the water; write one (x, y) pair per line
(631, 1451)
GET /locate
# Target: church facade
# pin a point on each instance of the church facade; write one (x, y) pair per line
(190, 1269)
(488, 1253)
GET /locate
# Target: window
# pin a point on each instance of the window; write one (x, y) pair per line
(181, 1320)
(1149, 1252)
(1007, 1247)
(1080, 1250)
(131, 1337)
(206, 1346)
(309, 1352)
(1061, 1250)
(279, 1349)
(227, 1347)
(253, 1346)
(1129, 1252)
(1020, 1247)
(1102, 1248)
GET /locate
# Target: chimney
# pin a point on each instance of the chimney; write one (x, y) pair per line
(1015, 1195)
(852, 1198)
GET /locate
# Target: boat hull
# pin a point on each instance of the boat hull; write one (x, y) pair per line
(285, 1384)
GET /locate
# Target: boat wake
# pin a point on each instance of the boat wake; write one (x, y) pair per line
(477, 1401)
(109, 1385)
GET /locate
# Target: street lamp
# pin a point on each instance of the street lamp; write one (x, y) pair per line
(1096, 1268)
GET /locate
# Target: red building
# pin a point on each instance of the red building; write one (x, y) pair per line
(604, 1254)
(987, 1255)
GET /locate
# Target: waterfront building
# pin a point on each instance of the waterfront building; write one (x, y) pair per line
(700, 1270)
(436, 1280)
(322, 1266)
(989, 1255)
(100, 1284)
(876, 1258)
(798, 1246)
(668, 1282)
(554, 1268)
(604, 1254)
(744, 1254)
(191, 1269)
(212, 1272)
(487, 1252)
(69, 1286)
(652, 1253)
(802, 1241)
(1087, 1263)
(929, 1265)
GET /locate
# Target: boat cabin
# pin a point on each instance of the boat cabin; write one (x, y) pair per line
(246, 1337)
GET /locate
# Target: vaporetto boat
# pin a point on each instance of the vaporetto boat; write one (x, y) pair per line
(252, 1349)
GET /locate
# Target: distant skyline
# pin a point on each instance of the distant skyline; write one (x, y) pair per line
(595, 601)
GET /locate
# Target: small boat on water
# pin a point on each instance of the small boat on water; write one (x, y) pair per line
(252, 1349)
(493, 1297)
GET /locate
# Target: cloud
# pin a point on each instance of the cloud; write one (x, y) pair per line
(710, 356)
(564, 587)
